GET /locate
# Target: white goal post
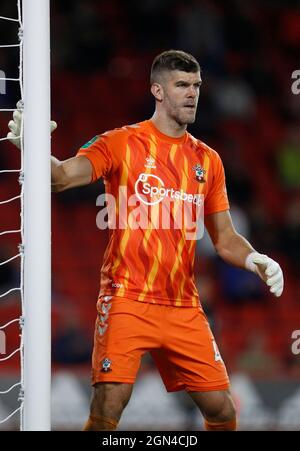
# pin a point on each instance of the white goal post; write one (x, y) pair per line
(37, 222)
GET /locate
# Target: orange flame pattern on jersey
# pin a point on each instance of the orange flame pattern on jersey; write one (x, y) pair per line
(154, 264)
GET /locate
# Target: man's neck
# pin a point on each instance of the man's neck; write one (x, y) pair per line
(168, 126)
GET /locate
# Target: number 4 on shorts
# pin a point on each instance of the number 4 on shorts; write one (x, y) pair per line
(217, 352)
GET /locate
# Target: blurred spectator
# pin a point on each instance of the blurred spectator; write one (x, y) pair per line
(200, 29)
(151, 23)
(70, 344)
(239, 286)
(207, 292)
(290, 239)
(233, 98)
(265, 232)
(242, 32)
(238, 180)
(288, 160)
(256, 359)
(85, 44)
(71, 338)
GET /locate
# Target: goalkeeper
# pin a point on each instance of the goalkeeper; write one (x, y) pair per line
(148, 301)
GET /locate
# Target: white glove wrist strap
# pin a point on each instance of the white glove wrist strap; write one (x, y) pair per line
(249, 261)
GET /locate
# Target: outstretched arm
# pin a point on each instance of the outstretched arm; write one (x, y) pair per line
(236, 250)
(230, 245)
(76, 171)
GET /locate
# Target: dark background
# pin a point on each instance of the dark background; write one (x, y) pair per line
(101, 57)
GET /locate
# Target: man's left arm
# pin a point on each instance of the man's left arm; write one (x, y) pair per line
(234, 249)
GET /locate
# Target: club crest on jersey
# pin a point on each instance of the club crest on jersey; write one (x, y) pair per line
(199, 173)
(106, 366)
(150, 162)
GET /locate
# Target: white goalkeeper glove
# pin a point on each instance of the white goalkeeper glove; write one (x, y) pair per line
(268, 270)
(14, 125)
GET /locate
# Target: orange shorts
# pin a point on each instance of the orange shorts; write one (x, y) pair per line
(178, 338)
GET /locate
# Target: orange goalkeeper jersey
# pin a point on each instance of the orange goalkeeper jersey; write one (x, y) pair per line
(158, 189)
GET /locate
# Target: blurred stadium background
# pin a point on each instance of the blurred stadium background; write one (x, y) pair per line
(101, 57)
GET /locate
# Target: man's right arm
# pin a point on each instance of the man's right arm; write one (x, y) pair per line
(76, 171)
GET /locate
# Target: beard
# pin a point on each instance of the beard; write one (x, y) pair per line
(183, 117)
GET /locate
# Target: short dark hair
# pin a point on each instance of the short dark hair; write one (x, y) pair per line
(173, 60)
